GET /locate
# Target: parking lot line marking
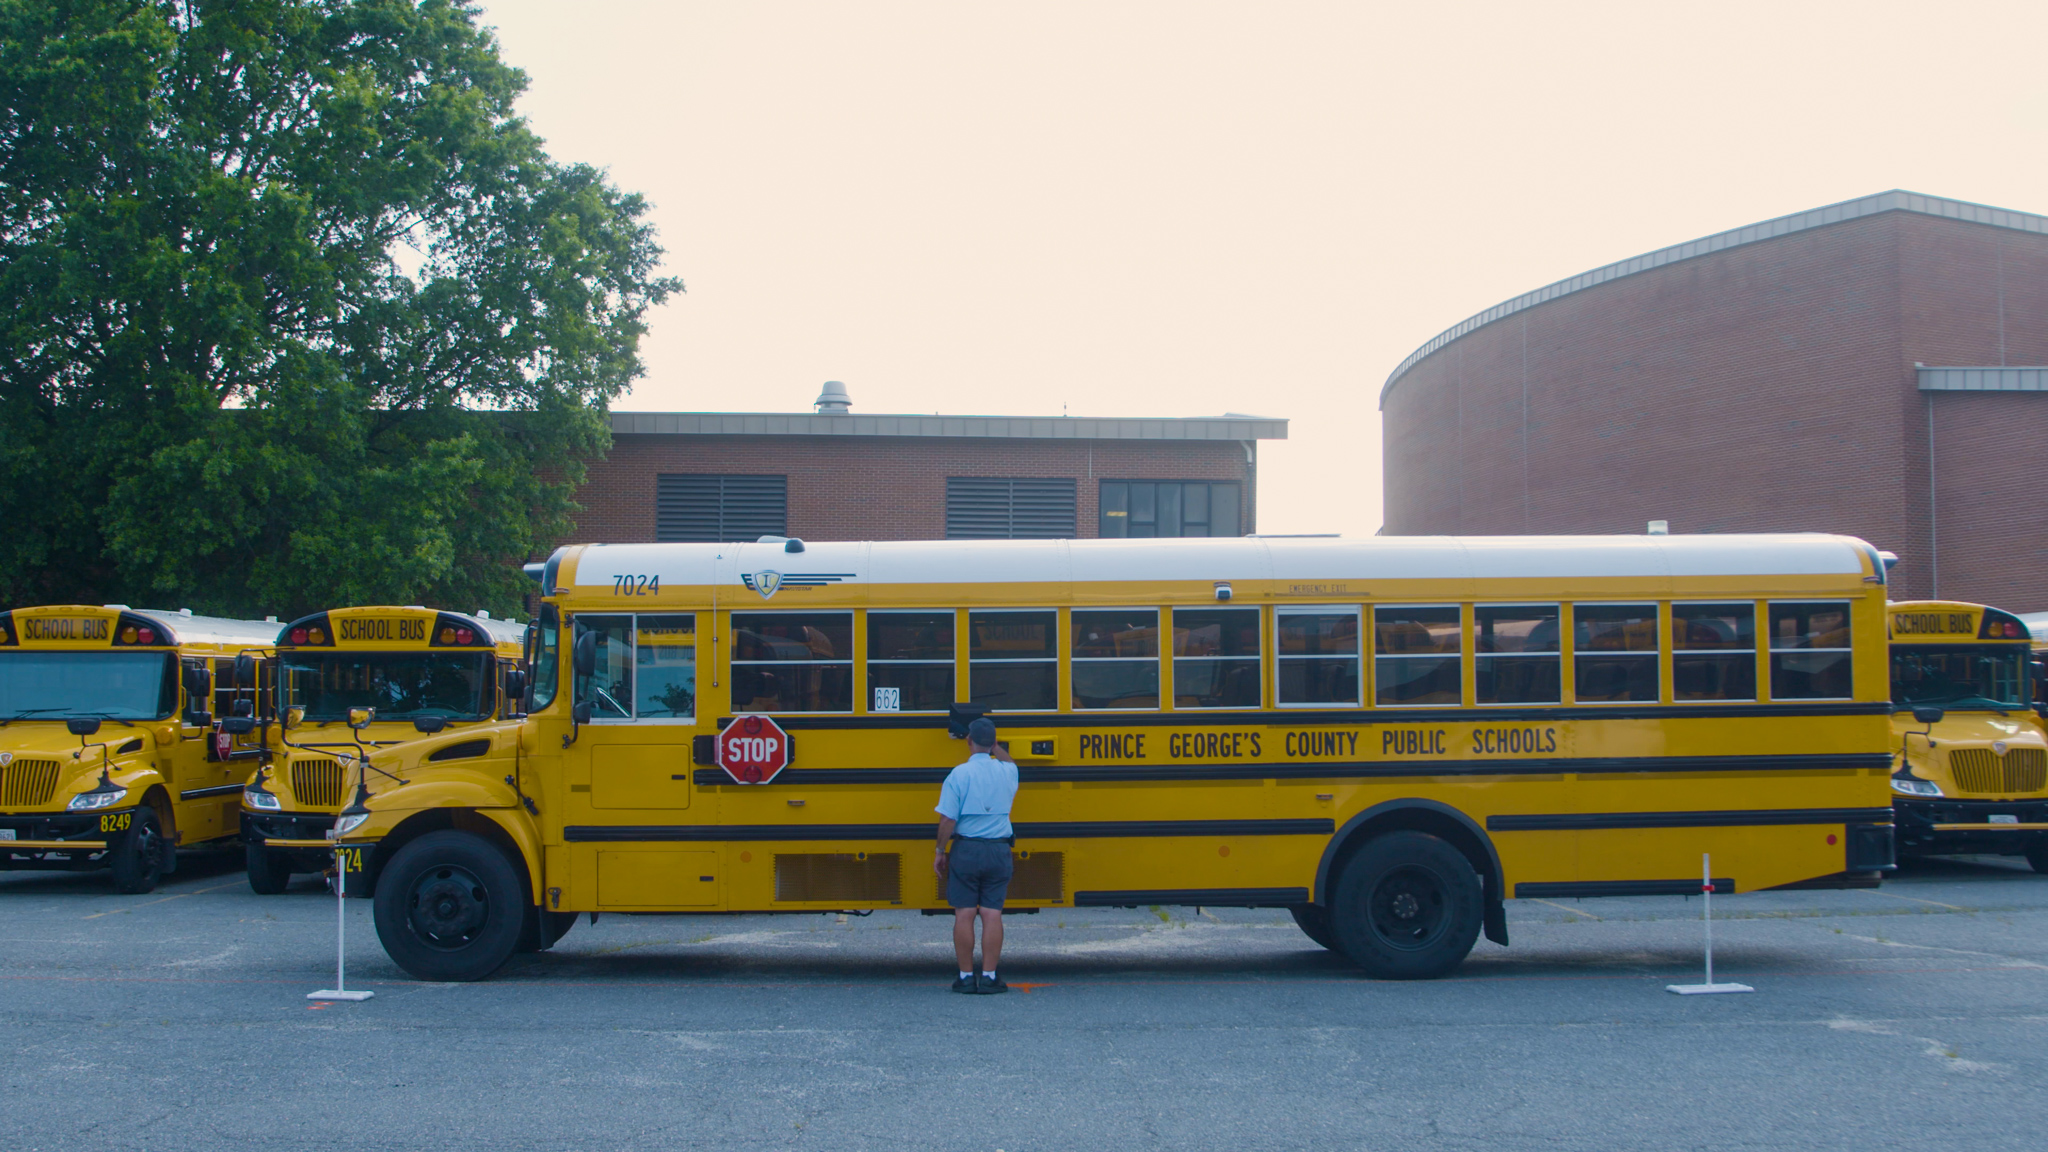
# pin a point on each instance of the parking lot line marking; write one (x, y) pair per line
(1563, 907)
(1914, 899)
(147, 903)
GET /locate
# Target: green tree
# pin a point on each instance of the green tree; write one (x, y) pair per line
(294, 310)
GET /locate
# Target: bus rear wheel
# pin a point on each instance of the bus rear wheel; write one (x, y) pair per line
(450, 906)
(1314, 922)
(1408, 906)
(270, 873)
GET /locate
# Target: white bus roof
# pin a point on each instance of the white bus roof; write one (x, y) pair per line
(219, 630)
(1238, 558)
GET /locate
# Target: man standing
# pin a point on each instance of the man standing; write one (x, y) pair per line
(974, 822)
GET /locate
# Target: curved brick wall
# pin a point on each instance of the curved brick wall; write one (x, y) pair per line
(1765, 386)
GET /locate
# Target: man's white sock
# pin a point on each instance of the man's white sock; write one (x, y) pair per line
(991, 973)
(965, 975)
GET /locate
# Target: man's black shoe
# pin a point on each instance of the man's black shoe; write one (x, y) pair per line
(966, 984)
(990, 985)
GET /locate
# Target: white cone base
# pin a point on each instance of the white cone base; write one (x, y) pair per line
(331, 994)
(1706, 989)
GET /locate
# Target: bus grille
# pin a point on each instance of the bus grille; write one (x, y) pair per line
(317, 783)
(1033, 876)
(1980, 770)
(28, 782)
(855, 877)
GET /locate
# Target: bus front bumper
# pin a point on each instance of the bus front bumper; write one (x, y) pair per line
(1993, 827)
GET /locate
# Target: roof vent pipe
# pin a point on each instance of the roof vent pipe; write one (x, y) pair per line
(833, 400)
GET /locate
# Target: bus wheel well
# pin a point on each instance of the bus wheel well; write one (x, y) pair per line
(438, 820)
(1439, 820)
(166, 815)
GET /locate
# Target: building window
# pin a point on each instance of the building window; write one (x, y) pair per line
(910, 661)
(1713, 651)
(1004, 508)
(720, 509)
(1810, 650)
(1013, 660)
(792, 661)
(1148, 508)
(1116, 657)
(1317, 653)
(1516, 657)
(1216, 658)
(1417, 655)
(1614, 652)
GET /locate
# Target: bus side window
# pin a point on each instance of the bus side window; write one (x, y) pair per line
(1810, 650)
(609, 688)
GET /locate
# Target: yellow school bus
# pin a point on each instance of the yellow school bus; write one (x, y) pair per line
(1389, 737)
(420, 671)
(111, 755)
(1971, 762)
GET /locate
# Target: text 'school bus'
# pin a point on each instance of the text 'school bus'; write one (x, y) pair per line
(422, 672)
(1387, 736)
(1972, 766)
(107, 724)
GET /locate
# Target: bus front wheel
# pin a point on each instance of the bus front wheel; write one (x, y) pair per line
(450, 906)
(1408, 906)
(137, 858)
(269, 872)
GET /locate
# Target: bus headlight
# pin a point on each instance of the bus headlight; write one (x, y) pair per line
(1914, 786)
(91, 801)
(343, 825)
(261, 801)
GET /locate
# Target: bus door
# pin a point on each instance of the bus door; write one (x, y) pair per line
(631, 763)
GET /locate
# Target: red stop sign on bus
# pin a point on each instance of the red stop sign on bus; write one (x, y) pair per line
(752, 749)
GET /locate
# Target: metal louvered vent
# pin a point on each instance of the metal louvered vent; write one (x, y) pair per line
(1001, 508)
(317, 783)
(28, 782)
(856, 877)
(720, 509)
(2018, 771)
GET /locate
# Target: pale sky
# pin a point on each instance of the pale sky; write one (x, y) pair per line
(1186, 208)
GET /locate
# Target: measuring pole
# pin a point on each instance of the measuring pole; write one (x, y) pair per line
(340, 990)
(1707, 919)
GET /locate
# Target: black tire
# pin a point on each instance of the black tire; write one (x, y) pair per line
(137, 855)
(1408, 906)
(2037, 858)
(1314, 922)
(270, 873)
(450, 906)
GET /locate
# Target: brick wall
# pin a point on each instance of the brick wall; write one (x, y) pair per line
(1763, 388)
(885, 488)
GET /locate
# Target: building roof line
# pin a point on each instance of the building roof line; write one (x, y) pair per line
(1232, 427)
(1896, 200)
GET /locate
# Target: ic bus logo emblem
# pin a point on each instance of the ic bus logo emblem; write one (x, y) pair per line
(765, 582)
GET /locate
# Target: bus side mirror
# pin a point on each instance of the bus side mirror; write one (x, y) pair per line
(586, 654)
(361, 718)
(245, 671)
(515, 686)
(2041, 710)
(82, 725)
(580, 712)
(430, 724)
(198, 686)
(240, 720)
(1928, 715)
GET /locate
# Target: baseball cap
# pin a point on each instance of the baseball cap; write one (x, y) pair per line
(982, 732)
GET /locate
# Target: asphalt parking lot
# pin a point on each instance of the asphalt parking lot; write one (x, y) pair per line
(1906, 1017)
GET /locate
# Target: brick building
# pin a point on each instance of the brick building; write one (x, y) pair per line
(836, 475)
(1861, 368)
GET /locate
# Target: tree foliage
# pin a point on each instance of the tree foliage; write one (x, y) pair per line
(294, 311)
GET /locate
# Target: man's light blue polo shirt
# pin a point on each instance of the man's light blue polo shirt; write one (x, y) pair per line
(977, 797)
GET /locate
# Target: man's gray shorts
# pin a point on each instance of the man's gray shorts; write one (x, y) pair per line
(978, 873)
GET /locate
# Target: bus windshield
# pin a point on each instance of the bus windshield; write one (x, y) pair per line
(110, 685)
(399, 685)
(1959, 676)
